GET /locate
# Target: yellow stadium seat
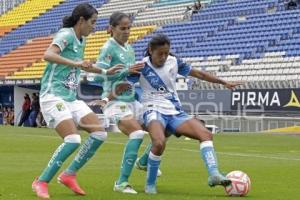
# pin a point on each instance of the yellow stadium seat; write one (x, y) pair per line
(24, 13)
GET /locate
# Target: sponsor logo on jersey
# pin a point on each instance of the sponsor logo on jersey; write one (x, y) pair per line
(71, 81)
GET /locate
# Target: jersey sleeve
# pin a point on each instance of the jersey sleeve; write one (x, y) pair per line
(184, 69)
(105, 57)
(62, 39)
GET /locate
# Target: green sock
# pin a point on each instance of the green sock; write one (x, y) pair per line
(144, 158)
(59, 156)
(86, 151)
(129, 157)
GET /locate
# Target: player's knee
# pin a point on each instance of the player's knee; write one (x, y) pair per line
(139, 134)
(100, 135)
(73, 138)
(204, 135)
(159, 145)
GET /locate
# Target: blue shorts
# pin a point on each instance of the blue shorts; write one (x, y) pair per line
(169, 122)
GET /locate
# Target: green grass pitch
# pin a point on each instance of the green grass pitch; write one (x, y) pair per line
(271, 161)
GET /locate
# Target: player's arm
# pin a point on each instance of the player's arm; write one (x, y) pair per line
(213, 79)
(52, 54)
(185, 69)
(121, 87)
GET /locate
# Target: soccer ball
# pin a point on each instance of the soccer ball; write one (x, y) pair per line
(240, 184)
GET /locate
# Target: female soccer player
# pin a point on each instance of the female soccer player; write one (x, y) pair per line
(59, 105)
(124, 108)
(163, 111)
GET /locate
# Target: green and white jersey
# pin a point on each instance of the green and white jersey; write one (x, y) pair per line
(62, 80)
(112, 54)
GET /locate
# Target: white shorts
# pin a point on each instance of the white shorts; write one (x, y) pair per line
(116, 110)
(55, 110)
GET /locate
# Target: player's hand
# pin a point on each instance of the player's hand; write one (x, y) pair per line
(84, 64)
(136, 68)
(100, 103)
(121, 87)
(233, 84)
(115, 69)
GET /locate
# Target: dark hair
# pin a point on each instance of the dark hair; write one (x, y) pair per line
(84, 10)
(157, 41)
(116, 17)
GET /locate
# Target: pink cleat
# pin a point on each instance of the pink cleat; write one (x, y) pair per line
(40, 188)
(71, 182)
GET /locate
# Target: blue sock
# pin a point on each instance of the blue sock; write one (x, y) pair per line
(144, 158)
(86, 151)
(209, 157)
(130, 155)
(71, 143)
(152, 168)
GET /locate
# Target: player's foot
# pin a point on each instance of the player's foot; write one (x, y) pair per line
(40, 188)
(124, 188)
(150, 189)
(139, 166)
(218, 179)
(71, 182)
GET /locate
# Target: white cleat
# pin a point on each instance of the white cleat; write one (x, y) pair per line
(124, 188)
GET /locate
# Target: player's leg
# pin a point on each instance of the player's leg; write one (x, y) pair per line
(155, 124)
(194, 129)
(141, 162)
(123, 114)
(89, 122)
(59, 117)
(129, 126)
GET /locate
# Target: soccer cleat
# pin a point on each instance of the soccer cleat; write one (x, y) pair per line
(71, 182)
(124, 188)
(218, 179)
(40, 188)
(138, 166)
(150, 189)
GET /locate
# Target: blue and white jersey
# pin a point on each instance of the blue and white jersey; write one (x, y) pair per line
(159, 85)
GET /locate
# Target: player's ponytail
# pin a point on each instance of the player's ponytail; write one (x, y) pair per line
(84, 10)
(157, 41)
(68, 21)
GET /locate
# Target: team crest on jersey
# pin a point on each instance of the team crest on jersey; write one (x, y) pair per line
(71, 81)
(60, 106)
(122, 108)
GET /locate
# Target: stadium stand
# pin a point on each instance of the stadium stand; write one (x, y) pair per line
(23, 13)
(130, 7)
(94, 42)
(6, 5)
(42, 26)
(251, 40)
(226, 34)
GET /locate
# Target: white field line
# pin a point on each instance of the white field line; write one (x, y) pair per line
(190, 150)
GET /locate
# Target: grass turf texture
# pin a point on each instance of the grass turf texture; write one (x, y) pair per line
(271, 161)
